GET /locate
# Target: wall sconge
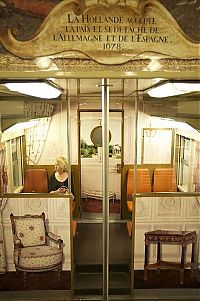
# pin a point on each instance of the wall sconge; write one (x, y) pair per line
(172, 88)
(36, 88)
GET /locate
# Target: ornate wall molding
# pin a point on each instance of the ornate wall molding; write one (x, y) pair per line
(142, 209)
(169, 208)
(109, 32)
(9, 63)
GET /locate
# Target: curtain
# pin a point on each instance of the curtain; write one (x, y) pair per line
(3, 169)
(196, 176)
(35, 140)
(3, 189)
(2, 247)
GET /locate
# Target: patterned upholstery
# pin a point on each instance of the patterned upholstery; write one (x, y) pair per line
(31, 251)
(41, 257)
(30, 231)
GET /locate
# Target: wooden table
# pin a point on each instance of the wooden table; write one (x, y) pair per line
(182, 238)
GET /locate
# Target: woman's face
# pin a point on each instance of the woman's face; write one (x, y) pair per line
(58, 168)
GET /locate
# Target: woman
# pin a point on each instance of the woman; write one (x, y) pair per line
(59, 181)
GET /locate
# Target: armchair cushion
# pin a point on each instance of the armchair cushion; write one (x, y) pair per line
(30, 231)
(39, 257)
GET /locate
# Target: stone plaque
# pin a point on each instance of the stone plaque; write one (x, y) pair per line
(108, 32)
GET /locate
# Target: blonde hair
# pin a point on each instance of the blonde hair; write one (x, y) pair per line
(62, 163)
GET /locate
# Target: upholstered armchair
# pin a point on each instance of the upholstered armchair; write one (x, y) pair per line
(32, 252)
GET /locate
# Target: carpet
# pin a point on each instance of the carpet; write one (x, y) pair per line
(93, 205)
(49, 281)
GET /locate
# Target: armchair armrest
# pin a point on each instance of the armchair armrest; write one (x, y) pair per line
(17, 247)
(17, 241)
(55, 238)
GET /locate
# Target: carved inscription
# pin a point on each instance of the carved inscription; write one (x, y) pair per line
(111, 33)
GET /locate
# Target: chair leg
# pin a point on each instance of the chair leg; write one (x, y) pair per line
(25, 279)
(60, 273)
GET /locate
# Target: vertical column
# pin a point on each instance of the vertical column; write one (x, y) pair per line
(134, 184)
(105, 183)
(68, 133)
(67, 88)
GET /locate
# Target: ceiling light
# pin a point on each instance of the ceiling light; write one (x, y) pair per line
(35, 88)
(173, 88)
(161, 122)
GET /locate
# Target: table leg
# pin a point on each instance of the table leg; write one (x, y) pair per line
(193, 256)
(194, 264)
(113, 198)
(146, 259)
(158, 256)
(182, 264)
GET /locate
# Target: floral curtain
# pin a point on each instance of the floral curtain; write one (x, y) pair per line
(2, 248)
(3, 189)
(196, 177)
(35, 140)
(3, 169)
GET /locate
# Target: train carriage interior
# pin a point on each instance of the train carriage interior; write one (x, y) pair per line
(153, 172)
(110, 89)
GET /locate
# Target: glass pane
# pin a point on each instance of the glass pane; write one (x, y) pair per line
(164, 143)
(169, 154)
(170, 136)
(186, 151)
(16, 162)
(185, 176)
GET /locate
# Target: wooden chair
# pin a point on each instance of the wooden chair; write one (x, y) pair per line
(143, 184)
(36, 180)
(32, 252)
(164, 180)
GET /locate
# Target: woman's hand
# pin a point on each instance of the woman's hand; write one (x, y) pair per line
(62, 189)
